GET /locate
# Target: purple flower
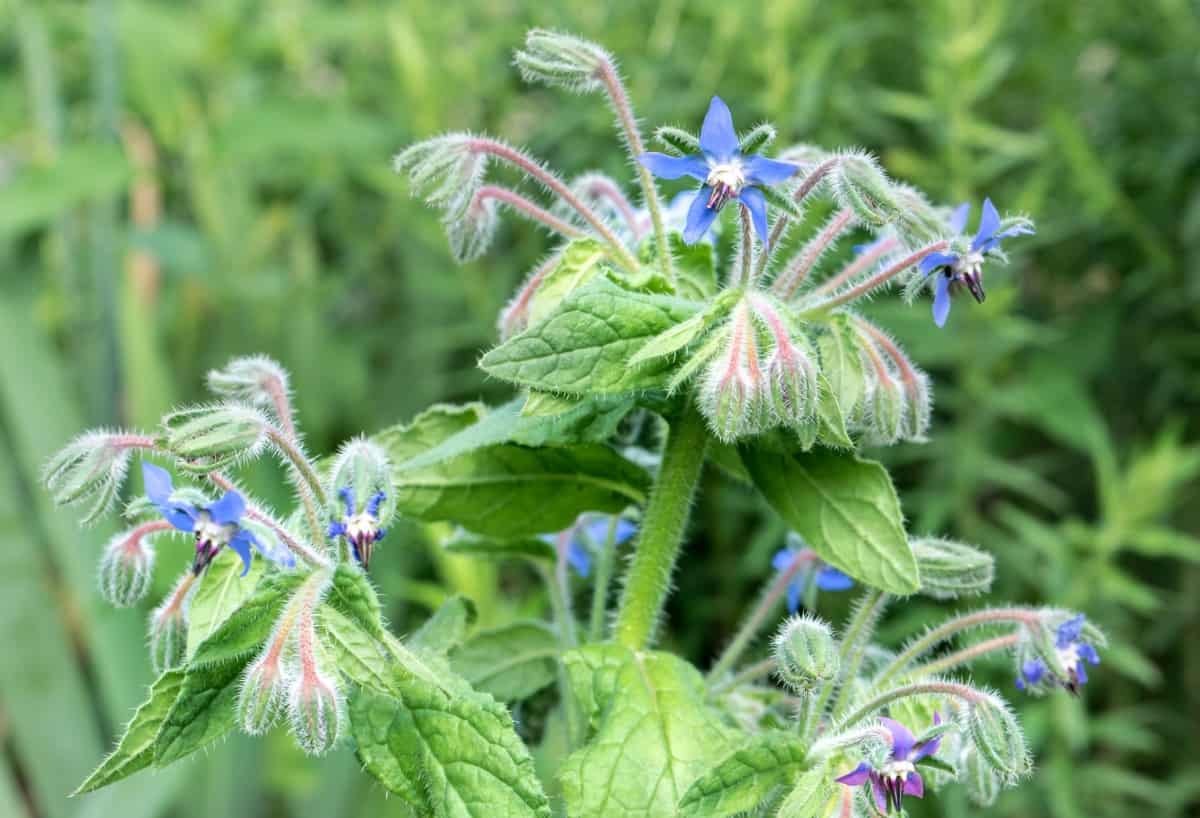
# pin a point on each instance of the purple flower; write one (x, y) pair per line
(1073, 654)
(215, 525)
(360, 527)
(898, 776)
(966, 269)
(589, 531)
(808, 568)
(725, 173)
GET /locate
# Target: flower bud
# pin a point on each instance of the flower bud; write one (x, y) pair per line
(791, 374)
(883, 410)
(732, 396)
(365, 468)
(983, 787)
(88, 470)
(315, 711)
(446, 170)
(918, 222)
(215, 436)
(806, 654)
(999, 740)
(950, 569)
(256, 380)
(562, 60)
(126, 568)
(262, 693)
(861, 185)
(168, 627)
(471, 231)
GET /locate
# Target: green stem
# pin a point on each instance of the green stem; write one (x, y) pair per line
(560, 604)
(1022, 616)
(854, 632)
(964, 656)
(750, 673)
(960, 691)
(854, 649)
(648, 581)
(604, 571)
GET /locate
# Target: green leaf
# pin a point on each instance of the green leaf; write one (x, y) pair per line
(841, 363)
(695, 268)
(810, 796)
(250, 625)
(679, 336)
(580, 262)
(785, 204)
(352, 594)
(358, 655)
(654, 733)
(447, 755)
(511, 662)
(446, 629)
(222, 591)
(437, 423)
(742, 781)
(844, 507)
(530, 548)
(584, 346)
(203, 712)
(135, 750)
(828, 424)
(513, 491)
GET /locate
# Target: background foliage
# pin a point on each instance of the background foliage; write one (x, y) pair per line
(183, 182)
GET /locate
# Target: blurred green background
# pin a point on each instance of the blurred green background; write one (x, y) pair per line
(182, 182)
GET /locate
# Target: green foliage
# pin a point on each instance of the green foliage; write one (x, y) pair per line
(511, 662)
(746, 778)
(221, 592)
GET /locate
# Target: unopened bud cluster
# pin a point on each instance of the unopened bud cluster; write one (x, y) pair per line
(806, 654)
(126, 568)
(214, 437)
(950, 570)
(89, 472)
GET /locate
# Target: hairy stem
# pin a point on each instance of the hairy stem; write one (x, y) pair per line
(526, 208)
(880, 278)
(516, 314)
(964, 656)
(959, 691)
(277, 390)
(856, 628)
(745, 270)
(520, 160)
(781, 224)
(255, 513)
(993, 616)
(858, 266)
(601, 187)
(750, 673)
(790, 280)
(648, 580)
(633, 141)
(854, 646)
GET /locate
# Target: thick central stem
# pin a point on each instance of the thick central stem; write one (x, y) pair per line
(649, 578)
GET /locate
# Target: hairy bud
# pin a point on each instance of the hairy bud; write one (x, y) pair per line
(732, 396)
(983, 787)
(677, 141)
(315, 711)
(861, 185)
(806, 654)
(883, 411)
(212, 437)
(256, 380)
(916, 405)
(446, 170)
(168, 627)
(261, 697)
(950, 569)
(472, 230)
(918, 222)
(365, 468)
(791, 373)
(126, 567)
(562, 60)
(89, 471)
(998, 739)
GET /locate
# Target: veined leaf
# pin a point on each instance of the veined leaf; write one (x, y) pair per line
(352, 594)
(511, 662)
(742, 781)
(446, 629)
(810, 796)
(250, 625)
(358, 655)
(584, 346)
(202, 713)
(844, 507)
(222, 591)
(841, 363)
(530, 548)
(580, 262)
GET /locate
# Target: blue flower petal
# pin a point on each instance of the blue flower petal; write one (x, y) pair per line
(1081, 673)
(229, 509)
(240, 544)
(941, 301)
(1033, 671)
(760, 170)
(665, 166)
(794, 590)
(158, 483)
(626, 529)
(831, 579)
(1069, 631)
(579, 558)
(700, 217)
(958, 219)
(597, 529)
(754, 201)
(783, 559)
(989, 223)
(856, 777)
(1088, 653)
(935, 261)
(717, 136)
(902, 738)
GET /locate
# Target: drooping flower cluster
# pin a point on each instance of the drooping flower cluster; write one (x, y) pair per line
(897, 776)
(1073, 655)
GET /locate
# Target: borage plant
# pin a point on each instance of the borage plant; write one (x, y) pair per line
(640, 353)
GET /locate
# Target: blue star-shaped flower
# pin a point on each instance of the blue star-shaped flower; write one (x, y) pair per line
(726, 174)
(215, 525)
(360, 528)
(590, 531)
(1073, 654)
(966, 269)
(826, 577)
(898, 776)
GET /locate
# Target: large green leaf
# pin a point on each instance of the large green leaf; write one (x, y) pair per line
(511, 662)
(654, 733)
(135, 750)
(222, 591)
(841, 362)
(250, 625)
(358, 655)
(580, 262)
(352, 594)
(203, 712)
(846, 508)
(446, 629)
(742, 781)
(584, 346)
(446, 754)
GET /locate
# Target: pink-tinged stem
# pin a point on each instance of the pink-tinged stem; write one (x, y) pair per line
(136, 535)
(783, 220)
(602, 188)
(992, 616)
(908, 373)
(859, 266)
(747, 248)
(516, 314)
(527, 208)
(519, 160)
(283, 404)
(958, 691)
(794, 275)
(633, 140)
(770, 598)
(178, 595)
(882, 277)
(255, 513)
(132, 442)
(962, 657)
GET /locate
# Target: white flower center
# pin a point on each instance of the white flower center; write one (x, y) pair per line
(727, 174)
(897, 770)
(361, 525)
(1068, 657)
(208, 531)
(969, 264)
